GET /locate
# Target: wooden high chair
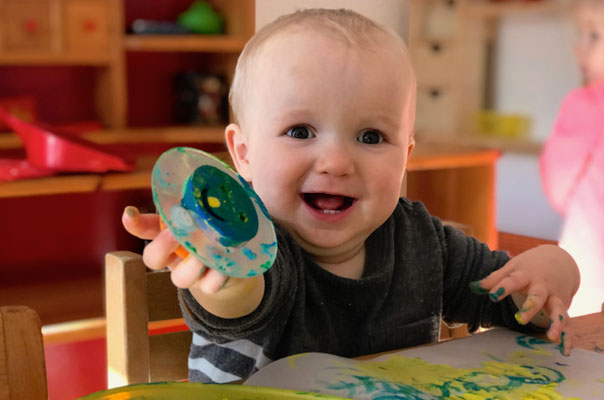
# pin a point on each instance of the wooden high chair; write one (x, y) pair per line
(22, 361)
(137, 301)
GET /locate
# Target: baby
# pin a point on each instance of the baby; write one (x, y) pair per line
(572, 162)
(324, 105)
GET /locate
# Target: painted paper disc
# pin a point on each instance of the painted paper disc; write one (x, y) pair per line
(213, 212)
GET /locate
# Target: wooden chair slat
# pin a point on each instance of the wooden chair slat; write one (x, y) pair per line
(127, 333)
(24, 368)
(170, 356)
(4, 390)
(137, 298)
(164, 295)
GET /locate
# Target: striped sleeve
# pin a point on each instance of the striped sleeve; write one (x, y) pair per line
(211, 362)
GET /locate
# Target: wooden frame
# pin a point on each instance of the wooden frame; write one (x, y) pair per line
(22, 362)
(134, 297)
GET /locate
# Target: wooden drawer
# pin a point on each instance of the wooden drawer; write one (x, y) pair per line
(435, 62)
(437, 110)
(86, 24)
(26, 25)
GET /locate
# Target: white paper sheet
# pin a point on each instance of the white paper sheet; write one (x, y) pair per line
(499, 364)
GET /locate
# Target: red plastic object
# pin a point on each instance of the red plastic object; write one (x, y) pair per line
(23, 107)
(12, 170)
(61, 152)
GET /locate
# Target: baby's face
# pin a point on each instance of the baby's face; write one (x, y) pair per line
(327, 138)
(590, 44)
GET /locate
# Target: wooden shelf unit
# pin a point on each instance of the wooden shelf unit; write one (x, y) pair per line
(185, 43)
(448, 45)
(93, 33)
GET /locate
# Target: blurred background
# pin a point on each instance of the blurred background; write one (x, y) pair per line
(132, 78)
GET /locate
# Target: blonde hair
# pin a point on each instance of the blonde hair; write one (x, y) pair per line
(347, 26)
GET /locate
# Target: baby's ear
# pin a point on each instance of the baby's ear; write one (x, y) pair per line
(238, 150)
(411, 145)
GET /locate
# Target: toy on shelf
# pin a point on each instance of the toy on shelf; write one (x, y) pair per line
(201, 99)
(50, 152)
(213, 213)
(150, 27)
(202, 19)
(503, 125)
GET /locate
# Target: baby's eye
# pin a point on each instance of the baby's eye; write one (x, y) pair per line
(370, 137)
(300, 132)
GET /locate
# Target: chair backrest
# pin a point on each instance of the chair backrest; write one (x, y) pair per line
(22, 362)
(138, 304)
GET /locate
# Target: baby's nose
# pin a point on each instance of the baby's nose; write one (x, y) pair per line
(336, 160)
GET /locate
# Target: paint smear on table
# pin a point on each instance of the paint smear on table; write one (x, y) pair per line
(499, 365)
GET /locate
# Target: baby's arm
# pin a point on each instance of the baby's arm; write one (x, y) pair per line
(220, 295)
(547, 277)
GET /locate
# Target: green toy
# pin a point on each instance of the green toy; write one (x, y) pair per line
(201, 18)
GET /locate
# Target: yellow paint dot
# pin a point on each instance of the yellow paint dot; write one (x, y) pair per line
(213, 202)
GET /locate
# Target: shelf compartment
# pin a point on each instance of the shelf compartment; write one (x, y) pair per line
(185, 43)
(172, 134)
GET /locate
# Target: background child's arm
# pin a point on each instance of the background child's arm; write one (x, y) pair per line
(567, 152)
(548, 277)
(222, 296)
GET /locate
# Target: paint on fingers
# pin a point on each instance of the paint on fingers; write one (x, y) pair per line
(132, 213)
(495, 296)
(528, 305)
(477, 288)
(562, 345)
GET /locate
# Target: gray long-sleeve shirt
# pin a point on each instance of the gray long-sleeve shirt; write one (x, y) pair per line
(416, 273)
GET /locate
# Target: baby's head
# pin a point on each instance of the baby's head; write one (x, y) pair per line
(590, 44)
(324, 103)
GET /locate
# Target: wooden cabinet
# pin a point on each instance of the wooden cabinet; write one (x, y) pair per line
(447, 53)
(35, 30)
(27, 26)
(93, 34)
(87, 26)
(451, 44)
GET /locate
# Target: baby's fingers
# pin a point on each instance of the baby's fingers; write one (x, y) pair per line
(187, 272)
(159, 253)
(532, 307)
(499, 285)
(212, 281)
(558, 330)
(144, 226)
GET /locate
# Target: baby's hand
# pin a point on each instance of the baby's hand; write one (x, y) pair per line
(186, 273)
(548, 278)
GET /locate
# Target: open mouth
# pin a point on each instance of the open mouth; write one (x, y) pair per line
(328, 203)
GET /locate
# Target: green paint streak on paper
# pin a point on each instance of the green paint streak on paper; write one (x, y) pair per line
(418, 379)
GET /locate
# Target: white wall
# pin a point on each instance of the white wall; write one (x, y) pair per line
(393, 13)
(535, 68)
(522, 207)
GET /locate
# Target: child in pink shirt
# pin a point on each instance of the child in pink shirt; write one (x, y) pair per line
(572, 163)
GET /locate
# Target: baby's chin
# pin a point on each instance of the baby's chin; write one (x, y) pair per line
(326, 247)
